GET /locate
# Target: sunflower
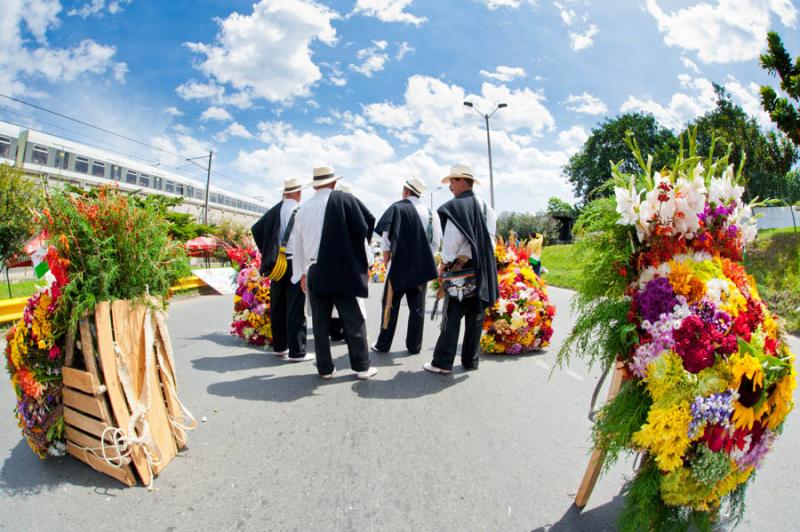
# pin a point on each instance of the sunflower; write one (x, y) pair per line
(748, 381)
(781, 401)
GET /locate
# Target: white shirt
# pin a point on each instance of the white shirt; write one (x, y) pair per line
(286, 212)
(454, 243)
(307, 232)
(424, 213)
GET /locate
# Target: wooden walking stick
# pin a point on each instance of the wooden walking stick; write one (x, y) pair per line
(598, 456)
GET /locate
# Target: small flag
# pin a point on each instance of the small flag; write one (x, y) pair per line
(40, 266)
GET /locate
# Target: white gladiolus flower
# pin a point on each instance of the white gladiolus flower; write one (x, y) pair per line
(627, 205)
(723, 189)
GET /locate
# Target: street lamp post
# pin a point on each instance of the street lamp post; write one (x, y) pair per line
(486, 117)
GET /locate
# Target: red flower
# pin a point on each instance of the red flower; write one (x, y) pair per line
(693, 344)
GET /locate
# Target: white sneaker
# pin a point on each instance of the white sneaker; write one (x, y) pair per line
(367, 374)
(329, 376)
(281, 354)
(428, 366)
(305, 358)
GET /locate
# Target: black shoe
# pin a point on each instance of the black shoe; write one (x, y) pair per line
(470, 368)
(374, 347)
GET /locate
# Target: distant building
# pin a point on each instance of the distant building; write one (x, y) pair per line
(64, 161)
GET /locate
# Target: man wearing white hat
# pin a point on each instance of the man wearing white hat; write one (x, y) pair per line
(287, 301)
(410, 236)
(468, 270)
(331, 265)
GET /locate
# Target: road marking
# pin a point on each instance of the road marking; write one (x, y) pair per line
(573, 375)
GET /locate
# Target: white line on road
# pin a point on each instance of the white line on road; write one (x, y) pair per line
(573, 375)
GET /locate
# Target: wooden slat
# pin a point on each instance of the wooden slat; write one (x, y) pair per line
(87, 347)
(84, 422)
(123, 474)
(116, 397)
(69, 352)
(89, 442)
(173, 408)
(88, 404)
(83, 381)
(592, 472)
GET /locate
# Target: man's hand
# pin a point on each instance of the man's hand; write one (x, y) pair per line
(387, 256)
(303, 283)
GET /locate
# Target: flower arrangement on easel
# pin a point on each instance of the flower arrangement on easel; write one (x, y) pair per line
(706, 375)
(251, 303)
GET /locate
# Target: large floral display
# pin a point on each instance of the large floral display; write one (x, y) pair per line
(522, 319)
(709, 377)
(33, 360)
(251, 307)
(377, 272)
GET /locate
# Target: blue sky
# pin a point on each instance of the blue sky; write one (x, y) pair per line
(375, 87)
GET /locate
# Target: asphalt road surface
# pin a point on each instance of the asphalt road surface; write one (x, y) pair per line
(501, 448)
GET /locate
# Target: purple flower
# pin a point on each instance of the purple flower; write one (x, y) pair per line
(656, 299)
(757, 451)
(715, 409)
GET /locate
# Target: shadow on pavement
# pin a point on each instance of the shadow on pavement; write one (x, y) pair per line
(223, 364)
(511, 358)
(597, 519)
(283, 389)
(407, 385)
(23, 473)
(227, 340)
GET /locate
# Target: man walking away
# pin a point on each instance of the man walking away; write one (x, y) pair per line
(467, 246)
(410, 235)
(287, 301)
(331, 265)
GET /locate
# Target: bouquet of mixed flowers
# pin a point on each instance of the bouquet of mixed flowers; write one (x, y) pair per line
(709, 374)
(521, 320)
(377, 272)
(33, 360)
(251, 320)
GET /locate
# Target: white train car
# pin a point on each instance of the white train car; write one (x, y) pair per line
(65, 161)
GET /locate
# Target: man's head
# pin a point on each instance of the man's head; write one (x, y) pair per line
(413, 187)
(292, 189)
(460, 179)
(324, 177)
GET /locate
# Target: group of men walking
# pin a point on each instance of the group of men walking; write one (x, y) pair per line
(324, 244)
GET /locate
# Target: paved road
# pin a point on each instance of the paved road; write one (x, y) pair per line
(503, 448)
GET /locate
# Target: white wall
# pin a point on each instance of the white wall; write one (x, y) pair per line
(777, 217)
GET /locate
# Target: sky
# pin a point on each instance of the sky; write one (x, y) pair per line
(375, 88)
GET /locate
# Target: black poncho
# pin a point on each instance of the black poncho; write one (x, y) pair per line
(412, 259)
(266, 233)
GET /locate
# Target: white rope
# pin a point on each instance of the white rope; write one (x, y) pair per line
(170, 386)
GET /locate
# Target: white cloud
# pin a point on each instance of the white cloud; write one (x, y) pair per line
(215, 94)
(234, 129)
(403, 49)
(573, 138)
(373, 59)
(749, 97)
(267, 54)
(579, 41)
(585, 103)
(173, 111)
(22, 60)
(497, 4)
(338, 81)
(98, 7)
(726, 32)
(388, 115)
(682, 108)
(567, 14)
(388, 11)
(504, 73)
(689, 64)
(216, 113)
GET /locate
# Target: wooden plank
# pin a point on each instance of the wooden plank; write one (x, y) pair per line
(88, 404)
(85, 423)
(69, 353)
(83, 381)
(87, 347)
(90, 442)
(123, 474)
(173, 408)
(116, 397)
(592, 472)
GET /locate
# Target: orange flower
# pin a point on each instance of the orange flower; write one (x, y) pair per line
(684, 283)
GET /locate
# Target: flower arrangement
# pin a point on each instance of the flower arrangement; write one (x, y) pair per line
(251, 307)
(377, 272)
(709, 377)
(33, 360)
(521, 320)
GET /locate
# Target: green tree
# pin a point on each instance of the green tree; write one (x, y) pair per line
(19, 195)
(783, 113)
(769, 156)
(558, 207)
(525, 224)
(590, 168)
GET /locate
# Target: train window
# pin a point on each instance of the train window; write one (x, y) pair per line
(144, 180)
(179, 189)
(39, 155)
(82, 164)
(238, 204)
(98, 169)
(157, 181)
(116, 172)
(131, 176)
(62, 159)
(5, 147)
(199, 193)
(170, 187)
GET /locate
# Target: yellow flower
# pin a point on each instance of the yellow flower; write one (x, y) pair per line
(781, 402)
(748, 381)
(666, 379)
(770, 326)
(665, 435)
(684, 283)
(735, 302)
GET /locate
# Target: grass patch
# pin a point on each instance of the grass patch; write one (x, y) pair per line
(20, 289)
(563, 270)
(774, 261)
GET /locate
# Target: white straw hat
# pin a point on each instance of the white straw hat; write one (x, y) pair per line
(460, 171)
(415, 185)
(324, 175)
(292, 185)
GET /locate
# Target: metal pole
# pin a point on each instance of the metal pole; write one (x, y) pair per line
(208, 184)
(491, 174)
